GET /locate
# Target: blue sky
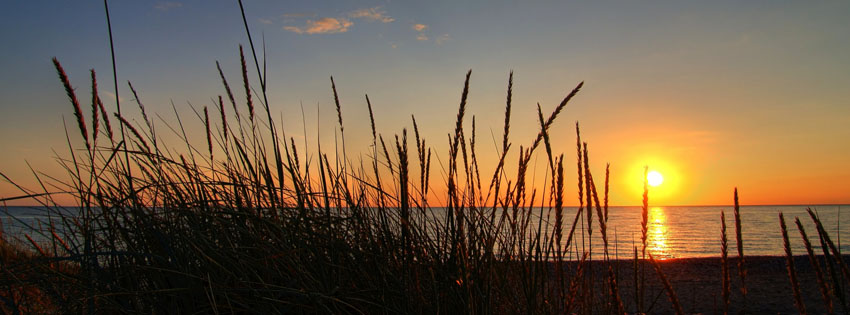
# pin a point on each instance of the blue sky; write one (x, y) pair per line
(721, 93)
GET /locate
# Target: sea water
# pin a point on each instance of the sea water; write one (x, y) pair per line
(672, 231)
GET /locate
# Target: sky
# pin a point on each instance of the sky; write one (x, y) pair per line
(713, 94)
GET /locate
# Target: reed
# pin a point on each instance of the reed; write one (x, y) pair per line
(103, 114)
(248, 100)
(227, 89)
(640, 286)
(822, 285)
(223, 118)
(742, 268)
(78, 112)
(134, 131)
(607, 175)
(830, 252)
(95, 100)
(792, 272)
(724, 262)
(674, 299)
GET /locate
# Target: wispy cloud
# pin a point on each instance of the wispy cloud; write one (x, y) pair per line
(371, 14)
(110, 95)
(442, 38)
(167, 5)
(420, 27)
(265, 21)
(326, 25)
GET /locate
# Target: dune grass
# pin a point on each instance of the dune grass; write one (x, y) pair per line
(246, 223)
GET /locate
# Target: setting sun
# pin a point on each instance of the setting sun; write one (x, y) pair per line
(654, 178)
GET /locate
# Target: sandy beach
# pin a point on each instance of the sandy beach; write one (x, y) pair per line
(697, 282)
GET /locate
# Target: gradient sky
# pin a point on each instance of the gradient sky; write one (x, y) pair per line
(713, 94)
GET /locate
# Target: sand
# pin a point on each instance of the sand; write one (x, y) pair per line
(697, 282)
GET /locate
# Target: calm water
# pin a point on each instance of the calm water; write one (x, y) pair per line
(679, 232)
(674, 232)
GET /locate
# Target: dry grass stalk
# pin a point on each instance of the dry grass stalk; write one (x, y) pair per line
(78, 112)
(607, 173)
(559, 206)
(579, 168)
(386, 154)
(371, 116)
(600, 216)
(496, 179)
(822, 285)
(248, 99)
(338, 108)
(105, 118)
(792, 272)
(133, 131)
(507, 126)
(644, 228)
(545, 133)
(742, 268)
(209, 135)
(724, 261)
(587, 184)
(615, 291)
(835, 257)
(575, 283)
(667, 287)
(558, 228)
(227, 89)
(223, 118)
(461, 111)
(552, 117)
(148, 122)
(420, 153)
(427, 171)
(95, 99)
(476, 178)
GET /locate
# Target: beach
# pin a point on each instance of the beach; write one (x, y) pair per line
(697, 283)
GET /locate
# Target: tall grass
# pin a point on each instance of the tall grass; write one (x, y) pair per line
(222, 232)
(246, 223)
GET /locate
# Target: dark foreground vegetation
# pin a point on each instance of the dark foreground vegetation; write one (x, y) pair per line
(245, 223)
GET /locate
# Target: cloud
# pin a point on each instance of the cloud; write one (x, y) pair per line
(167, 5)
(293, 29)
(421, 37)
(110, 95)
(442, 38)
(372, 14)
(265, 21)
(419, 27)
(322, 26)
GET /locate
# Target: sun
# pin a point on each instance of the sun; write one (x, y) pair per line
(654, 178)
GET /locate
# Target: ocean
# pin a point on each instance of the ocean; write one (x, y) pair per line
(673, 232)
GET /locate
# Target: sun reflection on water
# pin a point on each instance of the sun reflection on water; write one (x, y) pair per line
(657, 230)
